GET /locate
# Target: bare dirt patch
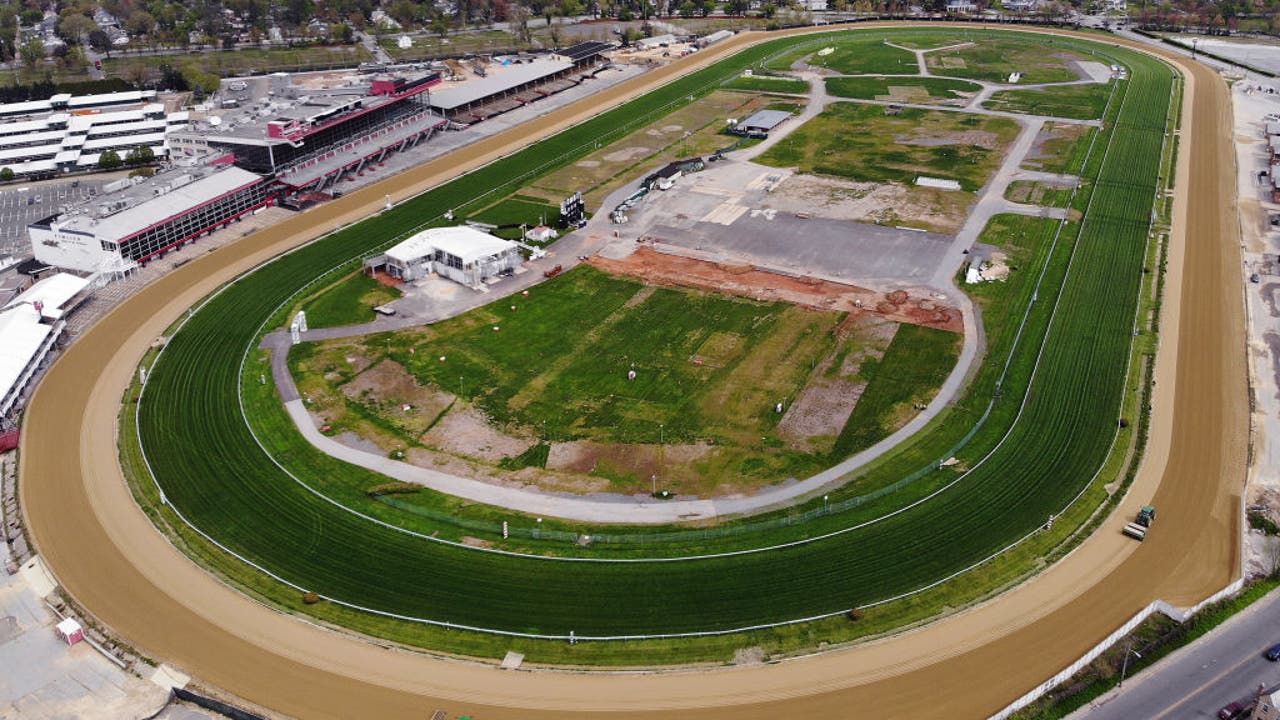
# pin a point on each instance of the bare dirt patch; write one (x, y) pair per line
(388, 387)
(625, 154)
(884, 203)
(933, 137)
(631, 464)
(525, 478)
(818, 415)
(1051, 145)
(920, 95)
(468, 432)
(914, 307)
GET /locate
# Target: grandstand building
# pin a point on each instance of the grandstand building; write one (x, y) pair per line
(300, 125)
(145, 220)
(519, 84)
(45, 138)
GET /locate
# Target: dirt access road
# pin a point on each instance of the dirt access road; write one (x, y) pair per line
(105, 552)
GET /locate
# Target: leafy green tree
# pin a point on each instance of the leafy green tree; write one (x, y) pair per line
(687, 9)
(109, 160)
(141, 23)
(99, 42)
(440, 24)
(6, 174)
(31, 52)
(75, 28)
(140, 155)
(74, 59)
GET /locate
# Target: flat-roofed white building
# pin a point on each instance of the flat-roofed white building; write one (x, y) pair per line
(146, 220)
(462, 254)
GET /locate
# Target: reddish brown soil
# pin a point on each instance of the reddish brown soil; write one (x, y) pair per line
(386, 279)
(905, 306)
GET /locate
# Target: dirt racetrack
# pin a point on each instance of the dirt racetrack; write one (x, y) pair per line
(105, 552)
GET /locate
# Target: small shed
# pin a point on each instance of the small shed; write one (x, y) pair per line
(656, 41)
(541, 233)
(760, 124)
(70, 631)
(715, 37)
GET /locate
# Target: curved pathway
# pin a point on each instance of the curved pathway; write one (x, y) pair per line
(638, 509)
(104, 551)
(641, 509)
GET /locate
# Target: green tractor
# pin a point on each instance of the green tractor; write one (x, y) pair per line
(1146, 516)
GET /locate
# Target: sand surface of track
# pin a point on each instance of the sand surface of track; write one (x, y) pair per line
(105, 552)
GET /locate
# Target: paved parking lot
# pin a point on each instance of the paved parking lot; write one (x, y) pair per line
(22, 205)
(725, 211)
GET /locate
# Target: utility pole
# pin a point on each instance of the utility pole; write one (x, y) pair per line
(1124, 667)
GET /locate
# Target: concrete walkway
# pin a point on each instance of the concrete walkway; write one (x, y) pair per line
(920, 53)
(817, 102)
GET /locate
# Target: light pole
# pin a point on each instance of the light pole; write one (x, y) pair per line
(1128, 650)
(538, 529)
(825, 508)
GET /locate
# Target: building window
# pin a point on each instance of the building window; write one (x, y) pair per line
(109, 246)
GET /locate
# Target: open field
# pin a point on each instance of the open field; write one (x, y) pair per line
(699, 413)
(241, 61)
(1014, 663)
(857, 55)
(918, 91)
(1038, 193)
(434, 46)
(864, 56)
(697, 128)
(1060, 148)
(1084, 102)
(348, 302)
(1040, 60)
(768, 83)
(861, 143)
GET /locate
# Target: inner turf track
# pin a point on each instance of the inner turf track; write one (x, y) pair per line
(231, 490)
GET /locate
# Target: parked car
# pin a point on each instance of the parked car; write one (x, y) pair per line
(1273, 653)
(1231, 710)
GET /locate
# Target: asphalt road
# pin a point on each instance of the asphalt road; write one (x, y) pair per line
(105, 553)
(1195, 682)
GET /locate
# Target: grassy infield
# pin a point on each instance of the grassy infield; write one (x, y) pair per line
(1051, 454)
(557, 372)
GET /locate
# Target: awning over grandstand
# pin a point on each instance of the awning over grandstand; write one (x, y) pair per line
(50, 294)
(23, 342)
(509, 78)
